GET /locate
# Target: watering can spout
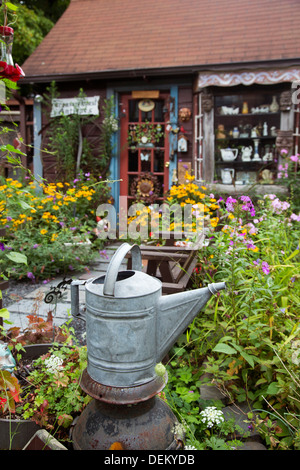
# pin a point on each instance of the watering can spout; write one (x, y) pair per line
(176, 311)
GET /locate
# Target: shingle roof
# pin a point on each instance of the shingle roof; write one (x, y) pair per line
(117, 35)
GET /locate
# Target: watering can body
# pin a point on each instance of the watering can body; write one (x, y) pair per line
(130, 326)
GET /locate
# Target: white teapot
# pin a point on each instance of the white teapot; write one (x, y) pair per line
(228, 155)
(246, 153)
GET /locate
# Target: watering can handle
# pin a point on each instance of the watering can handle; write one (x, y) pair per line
(115, 262)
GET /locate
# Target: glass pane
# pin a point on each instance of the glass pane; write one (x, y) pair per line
(145, 156)
(147, 116)
(158, 161)
(133, 111)
(133, 160)
(158, 111)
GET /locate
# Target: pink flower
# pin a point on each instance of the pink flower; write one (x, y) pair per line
(295, 217)
(294, 158)
(248, 205)
(229, 203)
(265, 267)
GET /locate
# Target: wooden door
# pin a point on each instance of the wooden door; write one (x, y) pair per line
(144, 165)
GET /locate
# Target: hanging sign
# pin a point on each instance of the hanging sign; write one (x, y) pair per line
(82, 106)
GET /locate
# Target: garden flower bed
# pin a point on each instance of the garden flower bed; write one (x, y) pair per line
(246, 341)
(51, 225)
(248, 338)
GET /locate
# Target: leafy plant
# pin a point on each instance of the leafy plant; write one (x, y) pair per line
(53, 396)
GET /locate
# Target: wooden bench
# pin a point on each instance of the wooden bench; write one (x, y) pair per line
(173, 265)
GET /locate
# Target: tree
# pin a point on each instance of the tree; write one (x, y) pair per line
(31, 21)
(51, 9)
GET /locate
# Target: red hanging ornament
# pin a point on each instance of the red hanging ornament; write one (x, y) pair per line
(7, 68)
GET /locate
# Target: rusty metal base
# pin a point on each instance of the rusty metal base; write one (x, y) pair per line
(148, 425)
(122, 395)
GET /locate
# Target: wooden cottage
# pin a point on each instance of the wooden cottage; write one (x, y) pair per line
(218, 80)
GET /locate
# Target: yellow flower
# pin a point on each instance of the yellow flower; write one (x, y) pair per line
(56, 208)
(214, 221)
(54, 237)
(43, 231)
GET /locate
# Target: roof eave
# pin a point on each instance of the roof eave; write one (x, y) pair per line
(161, 71)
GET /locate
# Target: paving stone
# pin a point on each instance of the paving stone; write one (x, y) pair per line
(252, 445)
(209, 391)
(239, 413)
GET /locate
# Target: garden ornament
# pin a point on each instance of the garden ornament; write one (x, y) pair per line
(7, 361)
(130, 327)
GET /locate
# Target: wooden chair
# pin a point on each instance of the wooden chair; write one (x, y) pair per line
(172, 264)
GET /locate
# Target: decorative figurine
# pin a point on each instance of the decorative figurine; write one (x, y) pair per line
(7, 361)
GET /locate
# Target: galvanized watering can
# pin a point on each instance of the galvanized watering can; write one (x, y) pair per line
(130, 326)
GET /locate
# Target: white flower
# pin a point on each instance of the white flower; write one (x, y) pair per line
(211, 415)
(53, 364)
(111, 122)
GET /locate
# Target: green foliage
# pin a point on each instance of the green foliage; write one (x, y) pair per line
(183, 396)
(73, 152)
(54, 396)
(249, 335)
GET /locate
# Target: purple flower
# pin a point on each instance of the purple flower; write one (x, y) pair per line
(30, 276)
(265, 267)
(2, 247)
(229, 203)
(248, 205)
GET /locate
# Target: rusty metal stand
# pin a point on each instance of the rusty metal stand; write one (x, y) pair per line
(134, 417)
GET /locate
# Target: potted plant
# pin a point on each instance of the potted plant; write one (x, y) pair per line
(43, 391)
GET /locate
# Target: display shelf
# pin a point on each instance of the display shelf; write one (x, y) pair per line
(246, 126)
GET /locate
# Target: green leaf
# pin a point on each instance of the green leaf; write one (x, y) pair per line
(272, 389)
(224, 348)
(248, 358)
(10, 6)
(4, 313)
(17, 257)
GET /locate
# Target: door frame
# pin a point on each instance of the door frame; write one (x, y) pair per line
(116, 91)
(124, 150)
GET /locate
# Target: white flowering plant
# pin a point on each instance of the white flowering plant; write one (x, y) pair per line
(54, 397)
(211, 416)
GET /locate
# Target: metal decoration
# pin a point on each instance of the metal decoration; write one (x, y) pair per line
(130, 327)
(145, 187)
(56, 291)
